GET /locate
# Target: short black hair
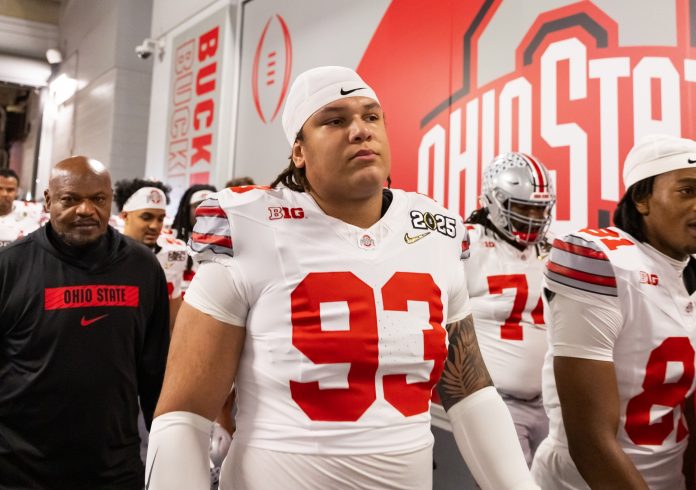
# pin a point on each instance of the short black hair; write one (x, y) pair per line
(125, 188)
(626, 215)
(9, 173)
(182, 221)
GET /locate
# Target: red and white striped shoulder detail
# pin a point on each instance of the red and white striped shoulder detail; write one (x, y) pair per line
(580, 263)
(212, 230)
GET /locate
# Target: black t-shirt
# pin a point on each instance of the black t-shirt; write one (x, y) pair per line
(83, 334)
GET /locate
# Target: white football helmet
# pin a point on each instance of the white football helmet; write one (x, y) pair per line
(518, 194)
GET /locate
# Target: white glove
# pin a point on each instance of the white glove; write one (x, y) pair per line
(220, 441)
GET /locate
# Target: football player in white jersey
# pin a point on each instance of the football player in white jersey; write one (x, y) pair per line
(504, 276)
(142, 206)
(185, 219)
(17, 218)
(622, 333)
(182, 226)
(328, 300)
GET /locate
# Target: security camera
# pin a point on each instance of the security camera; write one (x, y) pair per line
(146, 49)
(54, 56)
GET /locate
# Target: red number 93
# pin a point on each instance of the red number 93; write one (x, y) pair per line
(359, 345)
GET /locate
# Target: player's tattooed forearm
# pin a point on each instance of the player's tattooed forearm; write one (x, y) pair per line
(464, 371)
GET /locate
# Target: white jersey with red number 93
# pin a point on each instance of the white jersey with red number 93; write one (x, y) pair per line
(504, 285)
(653, 353)
(345, 326)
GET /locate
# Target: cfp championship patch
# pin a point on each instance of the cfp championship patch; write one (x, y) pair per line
(429, 222)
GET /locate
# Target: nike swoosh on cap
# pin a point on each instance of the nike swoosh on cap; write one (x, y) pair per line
(346, 92)
(690, 160)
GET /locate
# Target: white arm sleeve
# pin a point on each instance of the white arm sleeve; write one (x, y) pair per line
(585, 327)
(486, 437)
(177, 454)
(459, 304)
(215, 292)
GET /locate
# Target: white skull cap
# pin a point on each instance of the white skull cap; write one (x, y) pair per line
(315, 88)
(146, 198)
(657, 154)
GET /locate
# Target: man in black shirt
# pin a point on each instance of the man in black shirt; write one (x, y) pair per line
(83, 334)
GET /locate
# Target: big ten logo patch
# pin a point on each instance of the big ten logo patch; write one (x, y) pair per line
(285, 213)
(648, 278)
(436, 222)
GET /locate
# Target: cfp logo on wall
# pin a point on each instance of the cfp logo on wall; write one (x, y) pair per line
(272, 68)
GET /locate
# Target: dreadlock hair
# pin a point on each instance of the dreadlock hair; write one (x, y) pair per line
(182, 224)
(296, 178)
(479, 217)
(292, 177)
(626, 215)
(124, 189)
